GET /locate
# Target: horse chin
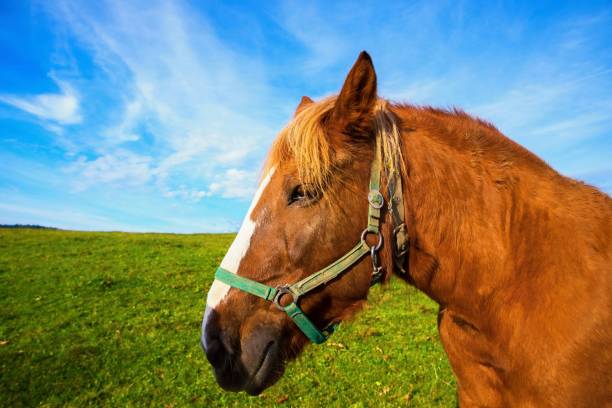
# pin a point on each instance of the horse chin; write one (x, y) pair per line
(270, 370)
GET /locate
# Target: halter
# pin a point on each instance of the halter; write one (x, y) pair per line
(330, 272)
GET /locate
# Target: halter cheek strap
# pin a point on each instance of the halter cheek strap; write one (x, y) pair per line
(330, 272)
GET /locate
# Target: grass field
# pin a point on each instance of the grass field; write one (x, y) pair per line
(113, 319)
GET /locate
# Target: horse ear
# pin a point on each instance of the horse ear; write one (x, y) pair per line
(304, 102)
(357, 98)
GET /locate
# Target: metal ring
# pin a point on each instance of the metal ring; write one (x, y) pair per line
(283, 290)
(380, 239)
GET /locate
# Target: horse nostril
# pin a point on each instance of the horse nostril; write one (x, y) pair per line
(215, 352)
(228, 369)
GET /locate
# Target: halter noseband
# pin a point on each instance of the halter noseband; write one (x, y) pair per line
(330, 272)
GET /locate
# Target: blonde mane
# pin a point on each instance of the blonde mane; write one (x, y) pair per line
(306, 141)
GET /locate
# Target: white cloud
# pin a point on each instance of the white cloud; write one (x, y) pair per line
(192, 195)
(317, 31)
(234, 183)
(120, 167)
(416, 92)
(124, 131)
(551, 113)
(62, 107)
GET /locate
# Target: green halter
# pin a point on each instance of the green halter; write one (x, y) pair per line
(326, 274)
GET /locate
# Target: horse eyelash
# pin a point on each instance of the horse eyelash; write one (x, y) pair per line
(303, 196)
(297, 194)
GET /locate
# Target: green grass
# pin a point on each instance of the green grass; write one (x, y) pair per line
(113, 319)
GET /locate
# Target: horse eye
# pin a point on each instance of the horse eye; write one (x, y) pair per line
(297, 194)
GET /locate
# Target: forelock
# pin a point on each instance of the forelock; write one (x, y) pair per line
(305, 142)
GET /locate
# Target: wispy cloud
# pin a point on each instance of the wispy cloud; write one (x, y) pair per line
(317, 31)
(121, 167)
(187, 102)
(60, 108)
(233, 183)
(553, 115)
(530, 114)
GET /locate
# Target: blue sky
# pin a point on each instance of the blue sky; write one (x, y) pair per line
(156, 116)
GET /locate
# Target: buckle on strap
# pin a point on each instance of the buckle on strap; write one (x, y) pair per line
(400, 249)
(401, 240)
(376, 199)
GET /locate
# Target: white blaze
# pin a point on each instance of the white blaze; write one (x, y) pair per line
(233, 257)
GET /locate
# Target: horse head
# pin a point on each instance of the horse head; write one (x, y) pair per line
(310, 209)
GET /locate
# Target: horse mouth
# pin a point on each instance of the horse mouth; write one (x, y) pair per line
(267, 371)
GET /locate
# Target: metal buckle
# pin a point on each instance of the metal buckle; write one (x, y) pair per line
(401, 240)
(377, 269)
(377, 276)
(375, 198)
(280, 292)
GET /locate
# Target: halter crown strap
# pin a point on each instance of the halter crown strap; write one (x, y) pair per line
(396, 209)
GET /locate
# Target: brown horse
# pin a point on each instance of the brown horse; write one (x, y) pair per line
(517, 256)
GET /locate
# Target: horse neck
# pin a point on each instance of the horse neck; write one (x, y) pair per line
(461, 186)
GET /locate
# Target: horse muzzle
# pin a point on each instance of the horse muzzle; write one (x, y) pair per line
(251, 363)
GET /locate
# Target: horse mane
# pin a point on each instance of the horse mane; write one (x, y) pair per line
(469, 134)
(306, 140)
(306, 143)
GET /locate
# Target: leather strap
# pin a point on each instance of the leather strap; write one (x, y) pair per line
(307, 327)
(246, 285)
(331, 271)
(375, 198)
(396, 209)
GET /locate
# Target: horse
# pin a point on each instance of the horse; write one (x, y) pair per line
(516, 255)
